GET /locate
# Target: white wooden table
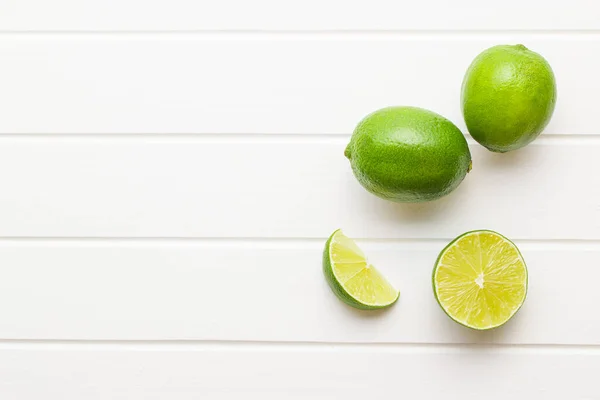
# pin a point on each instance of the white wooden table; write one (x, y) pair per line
(170, 169)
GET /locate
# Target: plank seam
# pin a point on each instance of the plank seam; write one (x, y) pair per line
(301, 32)
(547, 139)
(277, 242)
(192, 345)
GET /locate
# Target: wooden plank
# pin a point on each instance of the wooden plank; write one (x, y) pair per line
(295, 187)
(126, 15)
(296, 373)
(269, 291)
(267, 84)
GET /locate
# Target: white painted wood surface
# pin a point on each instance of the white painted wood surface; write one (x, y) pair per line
(280, 188)
(326, 15)
(73, 372)
(169, 171)
(242, 83)
(267, 290)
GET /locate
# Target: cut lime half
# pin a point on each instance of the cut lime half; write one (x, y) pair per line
(480, 279)
(351, 277)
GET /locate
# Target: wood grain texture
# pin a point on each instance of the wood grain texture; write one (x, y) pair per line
(295, 188)
(241, 84)
(302, 373)
(269, 291)
(127, 15)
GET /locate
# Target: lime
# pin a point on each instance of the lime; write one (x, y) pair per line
(508, 97)
(351, 277)
(480, 279)
(408, 154)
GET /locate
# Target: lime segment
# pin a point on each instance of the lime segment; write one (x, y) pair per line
(351, 277)
(480, 279)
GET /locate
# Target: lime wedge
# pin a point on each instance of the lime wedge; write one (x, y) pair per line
(351, 277)
(480, 279)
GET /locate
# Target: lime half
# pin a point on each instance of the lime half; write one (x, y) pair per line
(480, 279)
(351, 277)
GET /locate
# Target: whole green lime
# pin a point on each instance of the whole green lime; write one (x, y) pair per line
(408, 154)
(508, 97)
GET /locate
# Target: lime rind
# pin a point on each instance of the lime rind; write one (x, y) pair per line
(338, 289)
(513, 311)
(508, 96)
